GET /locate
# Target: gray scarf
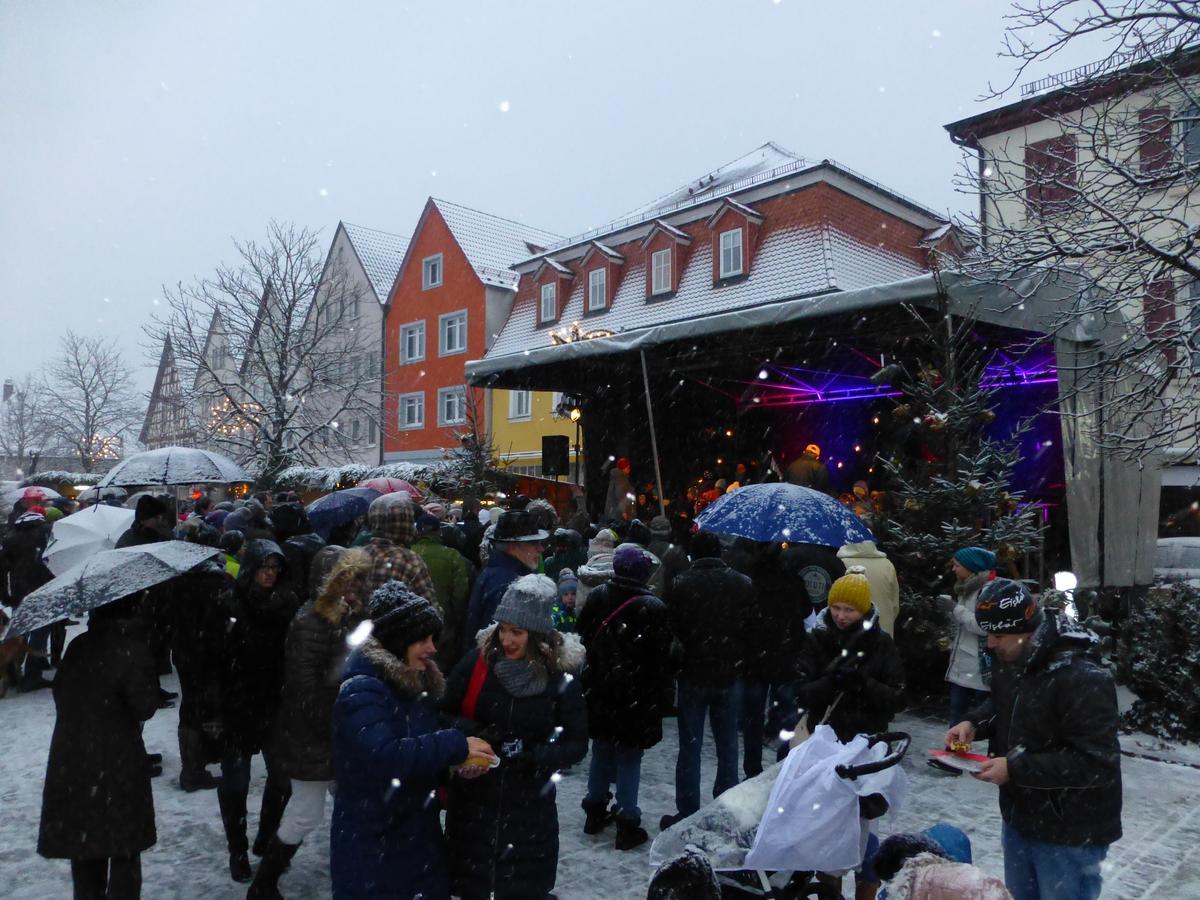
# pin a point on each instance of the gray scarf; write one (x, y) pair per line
(521, 677)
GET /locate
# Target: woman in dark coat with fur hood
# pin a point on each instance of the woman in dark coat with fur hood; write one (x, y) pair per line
(519, 690)
(316, 651)
(390, 756)
(97, 807)
(259, 610)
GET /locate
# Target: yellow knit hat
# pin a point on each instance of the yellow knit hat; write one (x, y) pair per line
(852, 589)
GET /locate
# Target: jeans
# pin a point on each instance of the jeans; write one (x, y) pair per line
(112, 878)
(304, 811)
(962, 700)
(723, 706)
(1036, 870)
(613, 763)
(763, 720)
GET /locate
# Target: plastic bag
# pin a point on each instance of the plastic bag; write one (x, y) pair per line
(811, 822)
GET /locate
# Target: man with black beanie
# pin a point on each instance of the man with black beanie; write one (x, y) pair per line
(1052, 720)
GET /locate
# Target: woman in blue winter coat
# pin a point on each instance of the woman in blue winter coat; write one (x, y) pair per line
(518, 690)
(390, 757)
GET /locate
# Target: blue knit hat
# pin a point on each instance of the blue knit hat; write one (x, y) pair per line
(976, 559)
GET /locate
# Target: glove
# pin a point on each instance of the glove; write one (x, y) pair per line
(945, 603)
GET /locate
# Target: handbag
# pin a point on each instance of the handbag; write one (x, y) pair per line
(803, 732)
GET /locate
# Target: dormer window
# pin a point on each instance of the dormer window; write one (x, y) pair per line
(660, 265)
(549, 303)
(431, 272)
(597, 299)
(731, 252)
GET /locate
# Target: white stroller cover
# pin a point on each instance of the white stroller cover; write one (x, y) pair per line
(811, 821)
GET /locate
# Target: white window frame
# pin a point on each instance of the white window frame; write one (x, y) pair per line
(402, 404)
(432, 266)
(597, 286)
(445, 394)
(728, 244)
(548, 293)
(417, 327)
(443, 329)
(515, 411)
(660, 261)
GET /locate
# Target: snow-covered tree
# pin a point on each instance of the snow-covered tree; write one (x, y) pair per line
(271, 352)
(1100, 183)
(90, 398)
(949, 482)
(24, 424)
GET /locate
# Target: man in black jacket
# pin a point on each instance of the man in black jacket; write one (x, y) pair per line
(709, 606)
(1052, 720)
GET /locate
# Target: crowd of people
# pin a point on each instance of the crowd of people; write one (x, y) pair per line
(444, 657)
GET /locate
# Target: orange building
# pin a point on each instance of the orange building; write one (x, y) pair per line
(453, 292)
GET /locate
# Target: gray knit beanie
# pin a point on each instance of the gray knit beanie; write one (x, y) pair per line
(529, 603)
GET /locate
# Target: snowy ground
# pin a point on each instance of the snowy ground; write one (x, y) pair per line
(1158, 857)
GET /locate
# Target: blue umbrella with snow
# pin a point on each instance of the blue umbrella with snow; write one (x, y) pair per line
(781, 512)
(338, 508)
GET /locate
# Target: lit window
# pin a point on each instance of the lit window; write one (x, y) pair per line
(519, 405)
(431, 272)
(596, 298)
(453, 329)
(731, 252)
(549, 303)
(412, 411)
(660, 272)
(452, 406)
(412, 342)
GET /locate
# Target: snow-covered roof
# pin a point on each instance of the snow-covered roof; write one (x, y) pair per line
(791, 262)
(492, 243)
(380, 253)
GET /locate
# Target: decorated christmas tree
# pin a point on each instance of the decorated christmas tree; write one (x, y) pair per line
(950, 482)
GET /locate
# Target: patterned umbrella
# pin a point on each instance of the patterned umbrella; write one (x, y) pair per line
(784, 512)
(103, 578)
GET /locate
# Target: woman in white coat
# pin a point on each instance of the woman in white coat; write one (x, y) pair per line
(969, 673)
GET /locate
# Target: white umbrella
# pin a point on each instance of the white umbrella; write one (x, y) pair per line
(175, 465)
(103, 578)
(81, 536)
(108, 493)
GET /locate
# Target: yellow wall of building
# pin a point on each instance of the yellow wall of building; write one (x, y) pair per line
(519, 441)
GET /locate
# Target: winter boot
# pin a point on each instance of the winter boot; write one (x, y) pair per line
(630, 832)
(274, 801)
(274, 862)
(233, 817)
(598, 815)
(193, 776)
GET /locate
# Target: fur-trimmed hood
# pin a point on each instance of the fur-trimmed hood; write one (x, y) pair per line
(409, 682)
(571, 653)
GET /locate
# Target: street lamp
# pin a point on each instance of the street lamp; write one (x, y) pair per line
(576, 415)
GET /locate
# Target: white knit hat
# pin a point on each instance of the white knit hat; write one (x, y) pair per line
(529, 603)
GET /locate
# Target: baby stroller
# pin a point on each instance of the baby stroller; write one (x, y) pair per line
(770, 836)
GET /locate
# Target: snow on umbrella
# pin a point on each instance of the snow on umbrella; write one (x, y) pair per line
(83, 535)
(103, 578)
(390, 486)
(175, 465)
(338, 508)
(33, 494)
(104, 493)
(784, 512)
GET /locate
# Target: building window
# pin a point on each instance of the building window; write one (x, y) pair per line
(412, 342)
(412, 411)
(520, 405)
(731, 252)
(1050, 175)
(549, 308)
(1158, 311)
(453, 330)
(431, 272)
(372, 432)
(452, 406)
(1189, 134)
(356, 431)
(1154, 146)
(596, 297)
(660, 272)
(349, 306)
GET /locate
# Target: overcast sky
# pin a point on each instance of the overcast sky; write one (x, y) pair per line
(138, 138)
